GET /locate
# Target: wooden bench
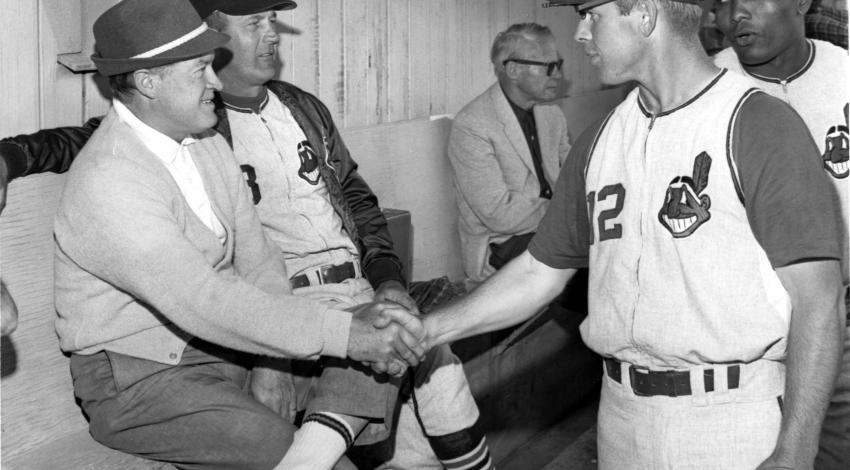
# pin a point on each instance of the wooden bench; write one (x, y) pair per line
(519, 388)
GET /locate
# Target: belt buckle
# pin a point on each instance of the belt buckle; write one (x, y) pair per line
(637, 377)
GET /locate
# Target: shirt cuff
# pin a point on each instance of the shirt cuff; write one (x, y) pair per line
(335, 330)
(382, 270)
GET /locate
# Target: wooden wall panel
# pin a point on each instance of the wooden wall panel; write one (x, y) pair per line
(19, 68)
(357, 57)
(60, 32)
(524, 11)
(303, 66)
(96, 96)
(370, 61)
(482, 26)
(438, 47)
(398, 60)
(331, 71)
(420, 59)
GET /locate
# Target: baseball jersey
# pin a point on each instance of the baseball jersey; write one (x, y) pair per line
(682, 217)
(819, 92)
(294, 205)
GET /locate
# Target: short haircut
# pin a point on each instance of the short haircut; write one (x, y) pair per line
(123, 85)
(685, 18)
(509, 40)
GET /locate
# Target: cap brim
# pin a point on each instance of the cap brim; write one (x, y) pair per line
(243, 7)
(584, 5)
(206, 42)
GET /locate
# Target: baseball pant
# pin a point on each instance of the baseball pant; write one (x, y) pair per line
(834, 452)
(441, 404)
(728, 429)
(441, 399)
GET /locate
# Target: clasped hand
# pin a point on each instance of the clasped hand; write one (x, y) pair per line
(387, 337)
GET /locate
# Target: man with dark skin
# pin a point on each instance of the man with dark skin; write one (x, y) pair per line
(769, 45)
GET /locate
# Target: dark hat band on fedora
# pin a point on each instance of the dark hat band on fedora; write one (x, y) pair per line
(137, 34)
(240, 7)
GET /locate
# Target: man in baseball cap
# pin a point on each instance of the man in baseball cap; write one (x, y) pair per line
(582, 6)
(240, 7)
(715, 300)
(167, 288)
(324, 217)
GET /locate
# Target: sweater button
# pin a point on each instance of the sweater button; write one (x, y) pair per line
(172, 356)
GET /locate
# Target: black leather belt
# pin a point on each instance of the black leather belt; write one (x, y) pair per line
(671, 383)
(327, 274)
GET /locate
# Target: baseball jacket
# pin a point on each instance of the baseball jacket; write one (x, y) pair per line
(54, 150)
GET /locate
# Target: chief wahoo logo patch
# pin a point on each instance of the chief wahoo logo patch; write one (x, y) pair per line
(309, 170)
(836, 161)
(685, 207)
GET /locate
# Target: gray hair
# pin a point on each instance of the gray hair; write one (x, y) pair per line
(509, 40)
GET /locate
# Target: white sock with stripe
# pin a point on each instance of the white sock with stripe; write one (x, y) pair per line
(319, 443)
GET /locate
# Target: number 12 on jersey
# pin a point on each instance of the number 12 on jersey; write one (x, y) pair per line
(616, 191)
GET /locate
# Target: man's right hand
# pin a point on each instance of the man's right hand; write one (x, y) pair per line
(402, 339)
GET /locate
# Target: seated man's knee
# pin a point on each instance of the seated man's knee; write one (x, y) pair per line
(258, 440)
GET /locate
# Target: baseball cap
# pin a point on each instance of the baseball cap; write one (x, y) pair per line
(584, 5)
(240, 7)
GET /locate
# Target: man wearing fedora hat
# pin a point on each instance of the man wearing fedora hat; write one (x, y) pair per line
(343, 214)
(709, 229)
(166, 284)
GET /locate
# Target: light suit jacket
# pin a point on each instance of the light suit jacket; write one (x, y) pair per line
(497, 188)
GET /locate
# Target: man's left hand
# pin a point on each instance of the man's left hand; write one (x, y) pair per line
(275, 388)
(394, 291)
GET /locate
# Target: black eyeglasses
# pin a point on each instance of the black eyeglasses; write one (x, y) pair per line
(551, 67)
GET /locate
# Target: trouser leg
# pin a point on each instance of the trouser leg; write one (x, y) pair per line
(446, 412)
(834, 451)
(346, 387)
(195, 415)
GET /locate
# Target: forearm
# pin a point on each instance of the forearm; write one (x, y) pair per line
(511, 296)
(49, 150)
(813, 360)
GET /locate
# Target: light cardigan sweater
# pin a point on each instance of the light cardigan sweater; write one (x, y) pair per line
(138, 273)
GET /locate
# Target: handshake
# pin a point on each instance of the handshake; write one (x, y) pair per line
(387, 335)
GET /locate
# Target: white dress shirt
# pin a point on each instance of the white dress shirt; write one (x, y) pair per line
(175, 156)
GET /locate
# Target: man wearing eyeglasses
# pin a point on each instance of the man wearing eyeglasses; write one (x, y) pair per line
(506, 148)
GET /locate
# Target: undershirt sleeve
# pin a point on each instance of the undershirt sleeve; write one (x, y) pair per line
(563, 236)
(791, 205)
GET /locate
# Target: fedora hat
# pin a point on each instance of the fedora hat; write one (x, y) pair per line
(136, 34)
(240, 7)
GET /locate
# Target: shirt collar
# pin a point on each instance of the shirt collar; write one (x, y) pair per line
(160, 144)
(248, 104)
